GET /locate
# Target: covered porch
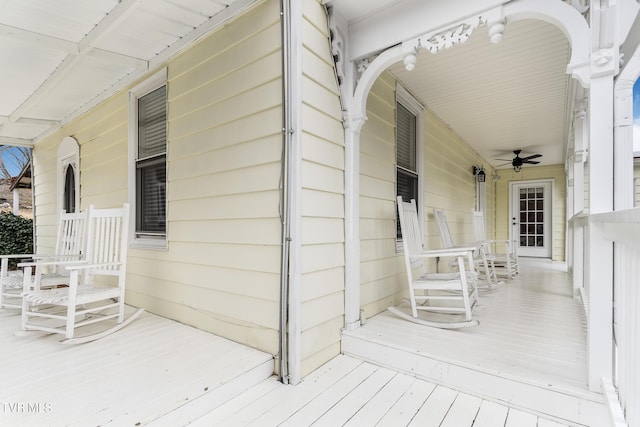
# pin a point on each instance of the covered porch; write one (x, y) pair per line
(159, 372)
(529, 351)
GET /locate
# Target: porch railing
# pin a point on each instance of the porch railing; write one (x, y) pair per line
(623, 228)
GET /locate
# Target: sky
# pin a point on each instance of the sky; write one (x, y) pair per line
(10, 163)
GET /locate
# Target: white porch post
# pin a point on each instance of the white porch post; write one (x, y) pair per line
(580, 142)
(352, 224)
(16, 201)
(600, 274)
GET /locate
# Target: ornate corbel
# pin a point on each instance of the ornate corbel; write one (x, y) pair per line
(410, 52)
(496, 31)
(453, 36)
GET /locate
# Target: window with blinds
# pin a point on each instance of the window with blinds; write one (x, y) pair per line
(151, 159)
(406, 157)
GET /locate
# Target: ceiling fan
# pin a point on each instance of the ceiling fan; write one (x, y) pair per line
(518, 161)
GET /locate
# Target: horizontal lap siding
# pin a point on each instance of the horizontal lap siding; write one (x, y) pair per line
(381, 269)
(322, 182)
(223, 184)
(44, 190)
(448, 184)
(221, 270)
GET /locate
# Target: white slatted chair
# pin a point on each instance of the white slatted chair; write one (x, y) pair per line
(439, 293)
(483, 261)
(506, 262)
(92, 299)
(70, 241)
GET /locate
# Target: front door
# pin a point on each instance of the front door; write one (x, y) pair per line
(531, 218)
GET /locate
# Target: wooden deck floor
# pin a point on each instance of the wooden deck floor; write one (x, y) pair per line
(161, 373)
(154, 370)
(528, 352)
(349, 392)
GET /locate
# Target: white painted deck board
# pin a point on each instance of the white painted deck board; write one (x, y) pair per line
(529, 327)
(349, 392)
(154, 368)
(528, 353)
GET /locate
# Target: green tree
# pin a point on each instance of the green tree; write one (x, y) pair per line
(16, 235)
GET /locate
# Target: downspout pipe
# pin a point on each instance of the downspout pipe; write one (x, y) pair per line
(289, 354)
(287, 167)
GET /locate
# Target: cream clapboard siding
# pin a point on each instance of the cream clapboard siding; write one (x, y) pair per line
(448, 184)
(44, 190)
(557, 174)
(322, 179)
(220, 272)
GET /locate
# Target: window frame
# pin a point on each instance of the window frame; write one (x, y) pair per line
(408, 101)
(68, 156)
(145, 240)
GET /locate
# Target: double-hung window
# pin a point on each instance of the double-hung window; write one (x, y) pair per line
(148, 165)
(409, 132)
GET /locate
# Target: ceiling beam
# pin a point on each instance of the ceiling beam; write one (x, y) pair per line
(108, 24)
(22, 142)
(83, 49)
(36, 122)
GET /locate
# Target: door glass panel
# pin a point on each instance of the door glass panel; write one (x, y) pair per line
(532, 217)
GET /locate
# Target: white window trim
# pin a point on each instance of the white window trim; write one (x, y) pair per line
(404, 97)
(68, 154)
(154, 82)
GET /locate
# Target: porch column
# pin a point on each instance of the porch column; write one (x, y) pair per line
(352, 224)
(600, 250)
(581, 143)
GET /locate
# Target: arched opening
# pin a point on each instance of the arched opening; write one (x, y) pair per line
(412, 56)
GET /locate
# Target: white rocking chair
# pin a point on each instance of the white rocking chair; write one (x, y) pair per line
(86, 301)
(483, 261)
(506, 263)
(448, 293)
(69, 247)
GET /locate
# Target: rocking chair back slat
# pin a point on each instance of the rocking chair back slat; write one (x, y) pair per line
(506, 263)
(428, 291)
(70, 246)
(87, 300)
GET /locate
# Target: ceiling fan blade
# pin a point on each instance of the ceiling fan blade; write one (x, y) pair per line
(530, 162)
(504, 164)
(533, 156)
(505, 160)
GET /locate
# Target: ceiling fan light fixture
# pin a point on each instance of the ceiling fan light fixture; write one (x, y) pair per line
(517, 168)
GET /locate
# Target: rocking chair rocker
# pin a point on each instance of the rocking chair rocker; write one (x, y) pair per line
(86, 300)
(70, 246)
(448, 293)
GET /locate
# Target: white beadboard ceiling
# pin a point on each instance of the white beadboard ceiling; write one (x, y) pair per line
(497, 97)
(61, 57)
(500, 97)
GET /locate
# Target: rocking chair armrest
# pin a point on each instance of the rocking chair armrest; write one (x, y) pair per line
(452, 251)
(12, 256)
(39, 261)
(90, 266)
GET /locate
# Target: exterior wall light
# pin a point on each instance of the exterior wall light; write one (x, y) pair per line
(479, 173)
